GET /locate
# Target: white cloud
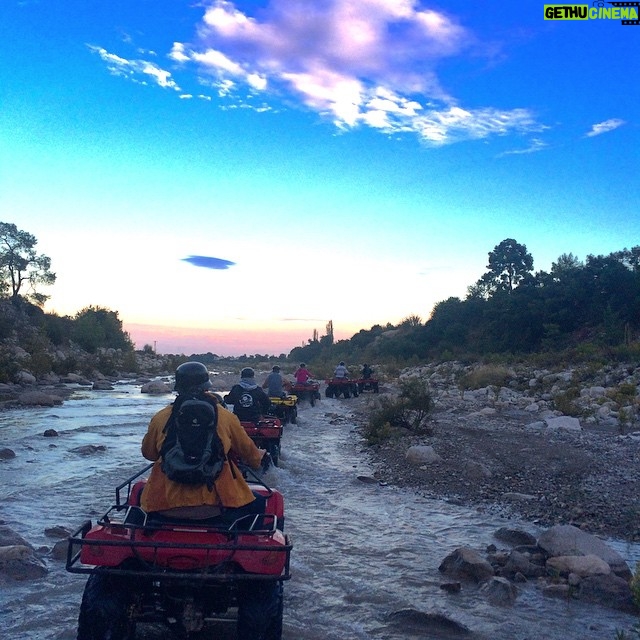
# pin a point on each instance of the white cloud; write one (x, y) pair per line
(136, 70)
(357, 62)
(535, 146)
(605, 127)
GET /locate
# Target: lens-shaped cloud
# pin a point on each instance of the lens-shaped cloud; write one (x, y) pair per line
(208, 262)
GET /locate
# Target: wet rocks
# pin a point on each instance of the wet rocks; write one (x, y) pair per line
(500, 592)
(466, 563)
(566, 540)
(18, 559)
(431, 624)
(102, 385)
(89, 449)
(156, 387)
(564, 562)
(19, 562)
(33, 398)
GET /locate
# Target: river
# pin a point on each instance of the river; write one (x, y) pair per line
(364, 554)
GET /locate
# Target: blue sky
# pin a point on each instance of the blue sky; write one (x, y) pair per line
(230, 176)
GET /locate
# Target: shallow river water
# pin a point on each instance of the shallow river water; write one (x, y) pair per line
(363, 553)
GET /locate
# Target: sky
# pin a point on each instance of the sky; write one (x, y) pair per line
(231, 176)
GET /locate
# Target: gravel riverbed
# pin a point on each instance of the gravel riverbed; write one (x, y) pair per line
(492, 459)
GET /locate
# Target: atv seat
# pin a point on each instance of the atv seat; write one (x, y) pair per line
(243, 518)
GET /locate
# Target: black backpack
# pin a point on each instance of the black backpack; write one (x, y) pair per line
(192, 452)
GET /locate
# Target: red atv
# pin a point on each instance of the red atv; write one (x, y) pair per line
(368, 384)
(337, 387)
(285, 409)
(309, 390)
(187, 574)
(266, 434)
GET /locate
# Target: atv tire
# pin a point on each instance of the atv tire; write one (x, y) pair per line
(294, 416)
(274, 628)
(329, 391)
(103, 611)
(260, 610)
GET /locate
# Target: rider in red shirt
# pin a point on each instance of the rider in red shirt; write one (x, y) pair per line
(302, 374)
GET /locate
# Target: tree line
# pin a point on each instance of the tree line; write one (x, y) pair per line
(576, 308)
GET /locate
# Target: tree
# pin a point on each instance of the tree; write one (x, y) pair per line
(509, 264)
(327, 339)
(413, 320)
(20, 265)
(97, 327)
(567, 263)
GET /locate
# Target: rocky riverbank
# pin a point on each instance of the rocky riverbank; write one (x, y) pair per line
(508, 448)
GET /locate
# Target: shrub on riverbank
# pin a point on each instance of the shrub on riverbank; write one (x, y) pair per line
(406, 412)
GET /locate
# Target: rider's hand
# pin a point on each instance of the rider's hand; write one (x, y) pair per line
(266, 461)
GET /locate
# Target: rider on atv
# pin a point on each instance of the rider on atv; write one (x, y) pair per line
(275, 384)
(230, 489)
(249, 401)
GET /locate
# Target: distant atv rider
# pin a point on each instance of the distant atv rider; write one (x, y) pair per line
(249, 401)
(275, 384)
(230, 494)
(341, 371)
(302, 374)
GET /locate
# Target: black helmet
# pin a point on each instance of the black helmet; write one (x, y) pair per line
(341, 363)
(275, 368)
(247, 372)
(302, 365)
(192, 377)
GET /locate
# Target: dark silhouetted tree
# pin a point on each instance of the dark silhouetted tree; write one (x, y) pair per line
(21, 268)
(509, 264)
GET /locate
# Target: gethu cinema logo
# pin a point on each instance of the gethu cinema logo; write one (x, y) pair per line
(627, 12)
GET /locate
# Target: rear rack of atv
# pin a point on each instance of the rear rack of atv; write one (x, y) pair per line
(151, 569)
(135, 530)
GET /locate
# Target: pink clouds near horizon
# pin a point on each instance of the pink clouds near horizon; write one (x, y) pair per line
(222, 342)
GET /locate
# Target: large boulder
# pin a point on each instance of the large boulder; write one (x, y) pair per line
(609, 590)
(422, 454)
(582, 566)
(39, 398)
(500, 592)
(466, 563)
(567, 540)
(156, 387)
(19, 562)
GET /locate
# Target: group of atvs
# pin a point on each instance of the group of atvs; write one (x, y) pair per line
(190, 576)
